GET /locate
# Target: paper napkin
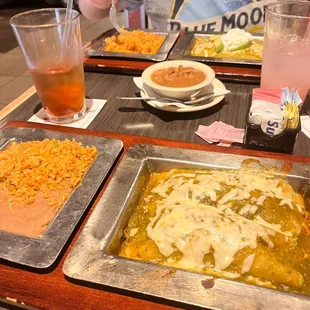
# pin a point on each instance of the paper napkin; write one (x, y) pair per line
(220, 132)
(93, 107)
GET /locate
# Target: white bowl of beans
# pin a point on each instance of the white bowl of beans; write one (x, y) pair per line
(178, 79)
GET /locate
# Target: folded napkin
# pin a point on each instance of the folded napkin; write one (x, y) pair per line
(93, 107)
(220, 132)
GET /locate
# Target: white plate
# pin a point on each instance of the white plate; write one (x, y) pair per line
(215, 85)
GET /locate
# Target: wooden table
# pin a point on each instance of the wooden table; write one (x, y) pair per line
(50, 289)
(137, 118)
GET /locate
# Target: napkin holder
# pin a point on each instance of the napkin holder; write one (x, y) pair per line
(256, 139)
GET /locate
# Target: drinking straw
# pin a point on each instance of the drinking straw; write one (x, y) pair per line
(67, 26)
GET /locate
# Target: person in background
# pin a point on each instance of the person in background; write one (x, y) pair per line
(189, 15)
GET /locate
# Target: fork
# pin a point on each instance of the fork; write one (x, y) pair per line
(113, 12)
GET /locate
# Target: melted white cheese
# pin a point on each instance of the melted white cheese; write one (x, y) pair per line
(196, 230)
(133, 231)
(204, 185)
(247, 263)
(230, 275)
(245, 209)
(183, 223)
(200, 192)
(261, 199)
(275, 227)
(253, 209)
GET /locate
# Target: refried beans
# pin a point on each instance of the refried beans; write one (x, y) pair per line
(29, 220)
(178, 76)
(36, 178)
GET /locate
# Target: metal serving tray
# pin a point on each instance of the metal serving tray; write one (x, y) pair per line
(182, 49)
(96, 50)
(94, 256)
(41, 252)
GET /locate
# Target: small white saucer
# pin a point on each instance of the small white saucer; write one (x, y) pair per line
(216, 85)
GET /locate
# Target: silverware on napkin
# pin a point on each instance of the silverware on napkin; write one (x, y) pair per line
(164, 102)
(192, 101)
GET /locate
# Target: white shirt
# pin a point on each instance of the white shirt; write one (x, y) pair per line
(203, 15)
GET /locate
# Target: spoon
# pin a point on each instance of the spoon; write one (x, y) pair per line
(113, 12)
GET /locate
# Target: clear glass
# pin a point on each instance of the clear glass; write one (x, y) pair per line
(286, 57)
(52, 48)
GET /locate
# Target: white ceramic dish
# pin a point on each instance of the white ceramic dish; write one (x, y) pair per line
(214, 86)
(177, 92)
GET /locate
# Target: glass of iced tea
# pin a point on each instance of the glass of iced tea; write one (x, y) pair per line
(52, 47)
(286, 56)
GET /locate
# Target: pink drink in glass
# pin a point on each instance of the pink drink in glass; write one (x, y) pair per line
(286, 59)
(286, 66)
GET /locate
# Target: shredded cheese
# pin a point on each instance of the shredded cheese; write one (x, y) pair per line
(183, 223)
(247, 263)
(196, 230)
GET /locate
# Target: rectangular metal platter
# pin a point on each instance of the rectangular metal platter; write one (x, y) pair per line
(182, 49)
(41, 252)
(94, 256)
(96, 50)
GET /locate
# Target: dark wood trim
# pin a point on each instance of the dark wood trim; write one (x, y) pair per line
(123, 66)
(50, 289)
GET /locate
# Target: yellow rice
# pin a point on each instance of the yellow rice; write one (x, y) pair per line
(28, 168)
(136, 41)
